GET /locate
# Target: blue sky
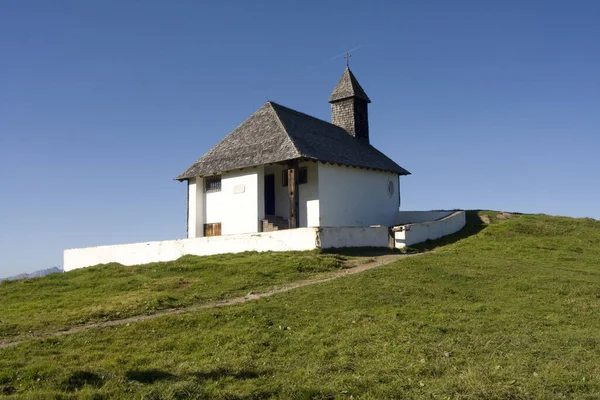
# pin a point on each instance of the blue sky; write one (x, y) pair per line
(489, 104)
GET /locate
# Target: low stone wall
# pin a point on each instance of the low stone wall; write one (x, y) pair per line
(353, 237)
(168, 250)
(413, 217)
(284, 240)
(409, 234)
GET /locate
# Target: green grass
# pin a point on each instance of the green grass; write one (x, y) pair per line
(503, 311)
(37, 306)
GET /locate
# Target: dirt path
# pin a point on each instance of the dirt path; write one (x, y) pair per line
(361, 264)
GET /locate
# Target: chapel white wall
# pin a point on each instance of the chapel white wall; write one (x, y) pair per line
(356, 197)
(195, 217)
(213, 205)
(191, 208)
(333, 196)
(240, 201)
(308, 195)
(239, 206)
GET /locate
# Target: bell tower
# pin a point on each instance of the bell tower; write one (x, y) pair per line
(349, 106)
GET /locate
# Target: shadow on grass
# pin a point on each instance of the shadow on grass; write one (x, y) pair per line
(149, 375)
(361, 251)
(221, 373)
(473, 226)
(79, 379)
(7, 390)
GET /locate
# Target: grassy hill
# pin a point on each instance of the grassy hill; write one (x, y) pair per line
(35, 307)
(506, 310)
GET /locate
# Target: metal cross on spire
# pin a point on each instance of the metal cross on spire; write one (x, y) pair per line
(347, 57)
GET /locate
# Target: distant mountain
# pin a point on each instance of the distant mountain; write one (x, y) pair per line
(36, 274)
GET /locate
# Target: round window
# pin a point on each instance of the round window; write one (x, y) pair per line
(390, 188)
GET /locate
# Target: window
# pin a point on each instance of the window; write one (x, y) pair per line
(212, 229)
(212, 184)
(302, 179)
(390, 188)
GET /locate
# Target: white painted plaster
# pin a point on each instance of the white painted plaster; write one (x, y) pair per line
(214, 205)
(309, 193)
(142, 253)
(411, 217)
(354, 237)
(285, 240)
(200, 206)
(312, 212)
(240, 210)
(192, 216)
(356, 197)
(195, 221)
(423, 231)
(239, 206)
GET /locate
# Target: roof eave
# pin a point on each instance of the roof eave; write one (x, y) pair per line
(186, 176)
(403, 172)
(394, 171)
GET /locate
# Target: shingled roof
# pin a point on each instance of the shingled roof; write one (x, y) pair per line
(348, 86)
(275, 133)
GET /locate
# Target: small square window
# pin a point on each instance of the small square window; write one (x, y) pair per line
(212, 184)
(302, 179)
(212, 229)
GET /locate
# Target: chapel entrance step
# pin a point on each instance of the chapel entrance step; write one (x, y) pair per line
(274, 223)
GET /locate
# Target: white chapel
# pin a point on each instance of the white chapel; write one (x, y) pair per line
(284, 169)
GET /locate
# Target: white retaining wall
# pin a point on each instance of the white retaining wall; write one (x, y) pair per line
(168, 250)
(354, 237)
(285, 240)
(412, 217)
(410, 234)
